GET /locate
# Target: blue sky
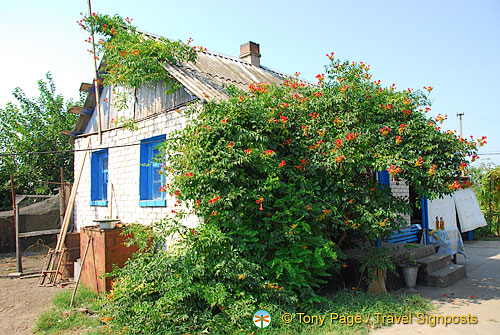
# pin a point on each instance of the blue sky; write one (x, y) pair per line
(453, 46)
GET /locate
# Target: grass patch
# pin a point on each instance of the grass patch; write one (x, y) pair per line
(61, 319)
(345, 306)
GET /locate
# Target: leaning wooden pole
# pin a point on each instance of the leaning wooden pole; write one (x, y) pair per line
(96, 78)
(80, 273)
(16, 224)
(69, 208)
(63, 189)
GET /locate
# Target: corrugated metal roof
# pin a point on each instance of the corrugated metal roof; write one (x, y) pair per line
(212, 72)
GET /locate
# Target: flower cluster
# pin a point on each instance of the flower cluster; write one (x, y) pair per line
(439, 118)
(401, 128)
(258, 87)
(213, 200)
(385, 130)
(432, 170)
(455, 186)
(351, 136)
(343, 88)
(482, 141)
(393, 170)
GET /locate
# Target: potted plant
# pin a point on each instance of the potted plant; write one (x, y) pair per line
(410, 272)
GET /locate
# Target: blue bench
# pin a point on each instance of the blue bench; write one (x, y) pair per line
(405, 235)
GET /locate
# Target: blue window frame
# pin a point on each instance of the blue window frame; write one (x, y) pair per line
(99, 178)
(150, 179)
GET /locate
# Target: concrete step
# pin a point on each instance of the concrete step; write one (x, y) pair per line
(444, 277)
(432, 263)
(413, 250)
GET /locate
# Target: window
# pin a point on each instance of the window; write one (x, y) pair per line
(150, 179)
(99, 178)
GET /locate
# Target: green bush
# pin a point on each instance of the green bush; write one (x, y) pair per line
(286, 171)
(282, 178)
(203, 283)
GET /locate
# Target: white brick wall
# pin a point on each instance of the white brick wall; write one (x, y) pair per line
(401, 189)
(123, 173)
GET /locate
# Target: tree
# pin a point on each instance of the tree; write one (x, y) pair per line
(486, 180)
(286, 171)
(34, 125)
(282, 178)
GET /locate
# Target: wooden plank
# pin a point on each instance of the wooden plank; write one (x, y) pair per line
(80, 110)
(40, 233)
(80, 273)
(139, 113)
(15, 202)
(163, 96)
(85, 87)
(151, 99)
(158, 100)
(69, 209)
(75, 110)
(403, 239)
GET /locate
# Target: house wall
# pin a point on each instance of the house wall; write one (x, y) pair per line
(400, 189)
(123, 172)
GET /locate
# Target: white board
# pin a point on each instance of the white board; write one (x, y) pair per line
(469, 213)
(444, 208)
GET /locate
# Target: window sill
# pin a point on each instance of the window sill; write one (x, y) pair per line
(99, 203)
(152, 203)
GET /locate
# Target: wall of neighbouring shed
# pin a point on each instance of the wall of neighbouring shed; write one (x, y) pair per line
(7, 232)
(38, 216)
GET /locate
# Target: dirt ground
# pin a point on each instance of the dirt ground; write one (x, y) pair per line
(21, 300)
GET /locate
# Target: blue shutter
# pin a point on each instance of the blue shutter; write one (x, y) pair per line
(143, 173)
(94, 177)
(104, 175)
(146, 187)
(383, 178)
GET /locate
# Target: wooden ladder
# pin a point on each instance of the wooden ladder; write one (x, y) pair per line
(51, 271)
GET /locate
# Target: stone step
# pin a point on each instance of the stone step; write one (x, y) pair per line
(432, 263)
(413, 250)
(444, 277)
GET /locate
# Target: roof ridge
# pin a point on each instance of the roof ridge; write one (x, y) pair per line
(235, 59)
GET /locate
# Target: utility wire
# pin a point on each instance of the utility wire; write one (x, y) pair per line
(131, 145)
(76, 150)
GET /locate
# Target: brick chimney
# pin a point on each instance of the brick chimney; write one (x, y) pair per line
(250, 53)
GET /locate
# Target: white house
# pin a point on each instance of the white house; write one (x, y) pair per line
(115, 176)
